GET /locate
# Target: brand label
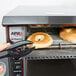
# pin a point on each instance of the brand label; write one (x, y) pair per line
(16, 33)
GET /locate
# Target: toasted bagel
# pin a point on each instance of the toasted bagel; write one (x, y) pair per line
(68, 34)
(40, 40)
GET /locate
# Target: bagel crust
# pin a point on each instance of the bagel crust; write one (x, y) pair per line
(40, 40)
(68, 34)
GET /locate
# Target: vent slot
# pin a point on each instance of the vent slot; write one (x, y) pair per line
(50, 57)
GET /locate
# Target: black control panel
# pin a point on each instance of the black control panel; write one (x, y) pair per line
(16, 34)
(17, 67)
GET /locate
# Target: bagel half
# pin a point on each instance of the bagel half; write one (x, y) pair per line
(40, 40)
(68, 34)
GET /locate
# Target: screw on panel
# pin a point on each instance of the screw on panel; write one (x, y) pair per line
(46, 57)
(57, 57)
(50, 57)
(67, 56)
(64, 57)
(31, 58)
(61, 57)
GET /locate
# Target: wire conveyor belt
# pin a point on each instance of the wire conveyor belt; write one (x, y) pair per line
(60, 49)
(61, 44)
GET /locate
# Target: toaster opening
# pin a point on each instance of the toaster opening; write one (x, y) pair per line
(54, 31)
